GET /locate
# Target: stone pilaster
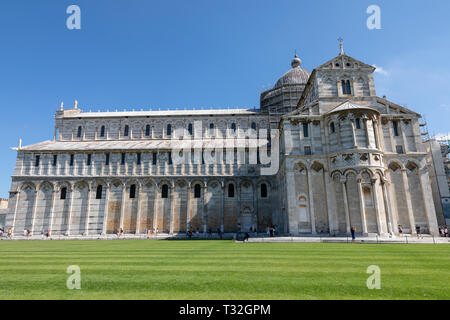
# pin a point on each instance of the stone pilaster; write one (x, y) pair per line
(347, 210)
(412, 221)
(105, 214)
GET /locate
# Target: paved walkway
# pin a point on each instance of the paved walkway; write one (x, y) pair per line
(406, 239)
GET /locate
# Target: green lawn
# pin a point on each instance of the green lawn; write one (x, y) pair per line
(133, 269)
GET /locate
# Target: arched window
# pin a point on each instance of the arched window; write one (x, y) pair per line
(169, 130)
(165, 191)
(197, 191)
(190, 130)
(358, 124)
(346, 88)
(126, 131)
(263, 190)
(253, 126)
(211, 129)
(231, 190)
(102, 131)
(99, 192)
(332, 127)
(233, 127)
(147, 130)
(132, 191)
(80, 129)
(63, 193)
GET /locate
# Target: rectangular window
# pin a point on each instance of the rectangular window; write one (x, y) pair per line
(395, 124)
(305, 130)
(71, 160)
(133, 191)
(89, 159)
(138, 159)
(307, 151)
(170, 157)
(122, 161)
(107, 160)
(55, 160)
(154, 159)
(37, 160)
(399, 149)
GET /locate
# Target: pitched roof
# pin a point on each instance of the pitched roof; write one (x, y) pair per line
(349, 105)
(161, 113)
(111, 145)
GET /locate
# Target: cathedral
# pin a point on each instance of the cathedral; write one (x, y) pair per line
(321, 155)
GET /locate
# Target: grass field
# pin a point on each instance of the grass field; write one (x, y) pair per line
(139, 269)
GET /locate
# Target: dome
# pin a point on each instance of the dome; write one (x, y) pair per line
(296, 75)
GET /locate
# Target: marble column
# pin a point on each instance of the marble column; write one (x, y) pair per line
(15, 211)
(204, 214)
(292, 202)
(105, 213)
(391, 221)
(69, 224)
(412, 221)
(430, 210)
(122, 206)
(188, 208)
(362, 206)
(88, 210)
(155, 209)
(172, 208)
(138, 213)
(223, 206)
(311, 203)
(52, 211)
(347, 210)
(376, 205)
(331, 204)
(33, 219)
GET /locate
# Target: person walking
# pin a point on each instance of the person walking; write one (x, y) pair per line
(353, 232)
(10, 233)
(418, 231)
(400, 230)
(246, 237)
(446, 232)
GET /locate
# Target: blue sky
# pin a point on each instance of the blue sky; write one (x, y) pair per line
(204, 53)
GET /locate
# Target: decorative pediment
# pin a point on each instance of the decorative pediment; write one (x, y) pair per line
(345, 62)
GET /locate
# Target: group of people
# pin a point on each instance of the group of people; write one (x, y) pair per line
(8, 235)
(271, 231)
(443, 231)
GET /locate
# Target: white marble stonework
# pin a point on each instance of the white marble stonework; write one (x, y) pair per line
(348, 158)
